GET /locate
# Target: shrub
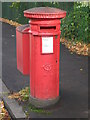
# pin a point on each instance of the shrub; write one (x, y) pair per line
(75, 25)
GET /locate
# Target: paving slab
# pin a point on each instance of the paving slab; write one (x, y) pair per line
(13, 107)
(73, 78)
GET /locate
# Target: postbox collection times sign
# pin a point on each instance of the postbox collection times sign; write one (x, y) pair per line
(47, 45)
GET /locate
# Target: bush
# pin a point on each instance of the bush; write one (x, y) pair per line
(75, 25)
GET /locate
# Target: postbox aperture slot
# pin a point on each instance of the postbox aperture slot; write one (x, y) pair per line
(47, 28)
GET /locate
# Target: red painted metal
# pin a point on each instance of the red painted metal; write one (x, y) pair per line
(22, 44)
(44, 12)
(44, 67)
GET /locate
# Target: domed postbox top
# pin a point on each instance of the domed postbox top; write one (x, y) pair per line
(44, 12)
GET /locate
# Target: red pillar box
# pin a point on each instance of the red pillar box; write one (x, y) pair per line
(22, 45)
(44, 54)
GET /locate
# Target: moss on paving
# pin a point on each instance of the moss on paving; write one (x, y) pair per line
(23, 96)
(34, 109)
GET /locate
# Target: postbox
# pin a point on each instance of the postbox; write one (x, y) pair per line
(22, 45)
(44, 54)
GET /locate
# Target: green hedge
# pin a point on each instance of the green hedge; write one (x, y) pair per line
(76, 24)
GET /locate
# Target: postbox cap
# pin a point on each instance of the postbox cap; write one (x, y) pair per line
(44, 12)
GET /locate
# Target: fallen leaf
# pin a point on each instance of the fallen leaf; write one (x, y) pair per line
(13, 35)
(81, 69)
(22, 95)
(3, 112)
(71, 52)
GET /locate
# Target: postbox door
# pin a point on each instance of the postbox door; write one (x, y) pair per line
(44, 67)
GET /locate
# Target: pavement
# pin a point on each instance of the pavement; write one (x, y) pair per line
(0, 60)
(12, 78)
(73, 78)
(12, 105)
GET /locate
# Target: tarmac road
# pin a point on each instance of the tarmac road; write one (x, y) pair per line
(73, 77)
(0, 49)
(11, 76)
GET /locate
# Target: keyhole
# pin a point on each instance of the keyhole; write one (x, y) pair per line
(56, 61)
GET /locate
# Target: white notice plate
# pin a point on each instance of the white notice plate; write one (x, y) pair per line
(47, 44)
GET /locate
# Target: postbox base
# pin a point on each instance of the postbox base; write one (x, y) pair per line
(43, 103)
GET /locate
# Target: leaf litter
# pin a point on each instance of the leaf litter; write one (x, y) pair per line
(3, 112)
(79, 48)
